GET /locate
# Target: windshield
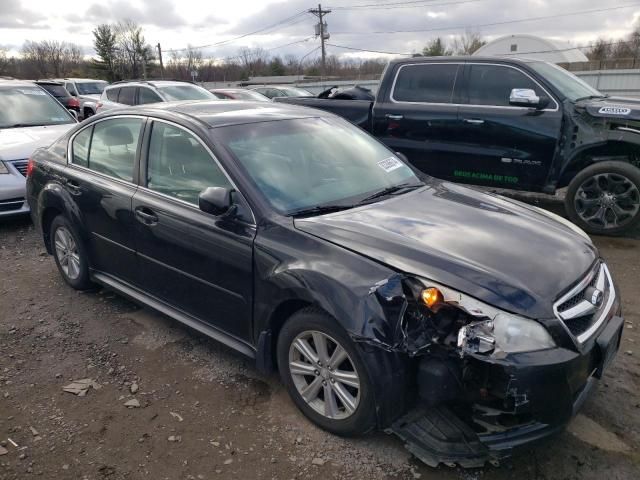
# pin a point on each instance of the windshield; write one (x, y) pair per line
(30, 107)
(185, 92)
(295, 92)
(90, 88)
(249, 95)
(567, 83)
(312, 162)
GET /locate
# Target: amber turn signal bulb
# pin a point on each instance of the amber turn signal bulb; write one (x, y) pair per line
(431, 296)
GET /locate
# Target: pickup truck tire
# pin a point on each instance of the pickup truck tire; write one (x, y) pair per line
(318, 361)
(604, 198)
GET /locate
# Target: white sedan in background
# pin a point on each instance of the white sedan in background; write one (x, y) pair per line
(30, 118)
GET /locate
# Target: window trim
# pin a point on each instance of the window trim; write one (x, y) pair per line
(144, 162)
(464, 64)
(136, 160)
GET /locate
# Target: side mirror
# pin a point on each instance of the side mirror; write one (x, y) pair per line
(215, 200)
(73, 113)
(524, 97)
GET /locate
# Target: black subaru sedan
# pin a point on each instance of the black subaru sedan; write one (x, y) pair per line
(465, 323)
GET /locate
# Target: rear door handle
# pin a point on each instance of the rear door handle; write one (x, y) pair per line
(474, 121)
(146, 216)
(394, 116)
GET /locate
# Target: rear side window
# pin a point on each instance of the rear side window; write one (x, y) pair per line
(146, 95)
(81, 148)
(492, 84)
(179, 166)
(127, 95)
(428, 83)
(111, 149)
(112, 94)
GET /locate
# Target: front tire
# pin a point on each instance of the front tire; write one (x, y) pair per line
(604, 198)
(70, 254)
(323, 371)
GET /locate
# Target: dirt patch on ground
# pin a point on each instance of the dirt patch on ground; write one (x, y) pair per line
(205, 412)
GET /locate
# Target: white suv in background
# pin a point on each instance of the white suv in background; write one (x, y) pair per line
(127, 93)
(86, 90)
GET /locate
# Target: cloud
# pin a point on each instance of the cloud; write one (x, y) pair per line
(161, 13)
(14, 15)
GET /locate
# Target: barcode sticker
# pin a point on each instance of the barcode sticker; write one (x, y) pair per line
(389, 164)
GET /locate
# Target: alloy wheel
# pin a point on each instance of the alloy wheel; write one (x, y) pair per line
(607, 200)
(324, 375)
(67, 253)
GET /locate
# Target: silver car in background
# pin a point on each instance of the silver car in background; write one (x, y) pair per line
(87, 91)
(30, 118)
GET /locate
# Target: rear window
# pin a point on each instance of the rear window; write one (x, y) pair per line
(56, 90)
(185, 92)
(428, 83)
(112, 94)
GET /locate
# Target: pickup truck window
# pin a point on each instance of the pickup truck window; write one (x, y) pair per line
(492, 84)
(426, 83)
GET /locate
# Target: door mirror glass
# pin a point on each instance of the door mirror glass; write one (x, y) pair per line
(215, 200)
(524, 97)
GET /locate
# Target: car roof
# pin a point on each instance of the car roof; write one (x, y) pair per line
(149, 83)
(16, 83)
(458, 59)
(217, 113)
(80, 80)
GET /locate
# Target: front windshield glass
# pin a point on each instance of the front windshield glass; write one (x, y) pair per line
(295, 92)
(186, 92)
(314, 162)
(90, 88)
(30, 107)
(567, 83)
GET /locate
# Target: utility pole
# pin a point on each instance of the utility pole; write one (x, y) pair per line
(321, 31)
(160, 57)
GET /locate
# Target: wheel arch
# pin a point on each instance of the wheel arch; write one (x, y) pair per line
(618, 150)
(53, 201)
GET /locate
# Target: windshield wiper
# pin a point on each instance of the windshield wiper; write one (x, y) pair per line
(590, 97)
(391, 190)
(319, 210)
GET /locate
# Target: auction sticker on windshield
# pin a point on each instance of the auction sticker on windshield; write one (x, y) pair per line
(390, 164)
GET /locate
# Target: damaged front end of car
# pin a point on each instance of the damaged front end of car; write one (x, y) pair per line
(486, 380)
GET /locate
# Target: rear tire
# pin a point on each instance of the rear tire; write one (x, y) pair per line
(70, 254)
(604, 198)
(338, 394)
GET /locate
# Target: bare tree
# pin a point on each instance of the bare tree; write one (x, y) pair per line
(468, 42)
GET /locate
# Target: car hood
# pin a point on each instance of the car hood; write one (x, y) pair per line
(19, 143)
(620, 108)
(502, 252)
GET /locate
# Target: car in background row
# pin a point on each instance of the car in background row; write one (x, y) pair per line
(61, 94)
(385, 298)
(273, 91)
(86, 90)
(143, 92)
(29, 118)
(239, 94)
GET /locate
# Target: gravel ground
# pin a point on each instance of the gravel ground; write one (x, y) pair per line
(201, 411)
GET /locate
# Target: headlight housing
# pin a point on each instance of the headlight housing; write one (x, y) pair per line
(491, 330)
(3, 168)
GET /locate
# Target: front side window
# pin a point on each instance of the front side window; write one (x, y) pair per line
(179, 165)
(146, 95)
(304, 163)
(427, 83)
(492, 84)
(112, 148)
(30, 106)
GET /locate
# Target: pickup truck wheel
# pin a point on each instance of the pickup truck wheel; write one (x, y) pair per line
(604, 199)
(324, 374)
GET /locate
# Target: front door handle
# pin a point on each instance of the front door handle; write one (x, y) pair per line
(146, 216)
(74, 187)
(473, 121)
(394, 116)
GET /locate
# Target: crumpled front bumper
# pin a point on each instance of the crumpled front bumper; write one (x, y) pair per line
(502, 404)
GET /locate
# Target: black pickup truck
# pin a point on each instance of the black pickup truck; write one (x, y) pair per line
(508, 123)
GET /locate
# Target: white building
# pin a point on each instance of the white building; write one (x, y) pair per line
(530, 46)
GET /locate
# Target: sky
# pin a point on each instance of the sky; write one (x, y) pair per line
(351, 23)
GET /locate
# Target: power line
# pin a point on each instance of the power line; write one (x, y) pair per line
(415, 4)
(365, 50)
(298, 17)
(505, 22)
